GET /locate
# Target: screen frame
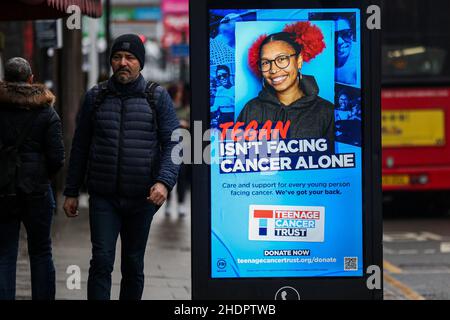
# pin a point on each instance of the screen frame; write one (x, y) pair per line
(205, 287)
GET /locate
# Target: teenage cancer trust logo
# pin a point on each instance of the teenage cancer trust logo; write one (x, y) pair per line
(286, 223)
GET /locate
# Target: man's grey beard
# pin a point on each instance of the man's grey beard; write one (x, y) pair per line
(125, 80)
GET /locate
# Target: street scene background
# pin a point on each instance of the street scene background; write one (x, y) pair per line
(416, 236)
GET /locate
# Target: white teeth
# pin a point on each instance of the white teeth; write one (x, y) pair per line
(278, 79)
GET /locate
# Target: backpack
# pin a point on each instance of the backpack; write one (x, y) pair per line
(10, 163)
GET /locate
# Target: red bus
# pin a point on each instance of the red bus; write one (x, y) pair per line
(416, 95)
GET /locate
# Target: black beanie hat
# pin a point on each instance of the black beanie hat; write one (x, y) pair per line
(131, 43)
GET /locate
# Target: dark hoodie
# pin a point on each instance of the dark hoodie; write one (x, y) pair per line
(311, 116)
(42, 153)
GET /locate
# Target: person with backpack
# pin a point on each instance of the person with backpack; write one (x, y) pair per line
(123, 144)
(31, 153)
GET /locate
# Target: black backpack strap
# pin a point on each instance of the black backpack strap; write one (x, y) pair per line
(150, 95)
(102, 91)
(26, 129)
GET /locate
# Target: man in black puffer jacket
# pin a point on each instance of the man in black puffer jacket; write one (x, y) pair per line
(123, 143)
(41, 156)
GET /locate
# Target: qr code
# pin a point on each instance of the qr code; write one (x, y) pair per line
(350, 263)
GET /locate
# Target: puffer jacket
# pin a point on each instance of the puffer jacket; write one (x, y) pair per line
(311, 116)
(117, 147)
(42, 153)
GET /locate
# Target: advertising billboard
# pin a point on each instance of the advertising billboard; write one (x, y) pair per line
(287, 114)
(286, 194)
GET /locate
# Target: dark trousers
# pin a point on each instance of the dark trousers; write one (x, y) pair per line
(110, 216)
(183, 182)
(36, 212)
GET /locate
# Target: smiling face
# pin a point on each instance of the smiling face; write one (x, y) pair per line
(281, 79)
(125, 66)
(343, 41)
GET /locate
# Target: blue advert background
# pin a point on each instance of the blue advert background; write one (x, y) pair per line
(304, 222)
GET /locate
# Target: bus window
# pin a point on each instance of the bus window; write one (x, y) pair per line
(416, 41)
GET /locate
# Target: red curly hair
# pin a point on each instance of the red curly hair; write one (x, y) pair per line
(307, 36)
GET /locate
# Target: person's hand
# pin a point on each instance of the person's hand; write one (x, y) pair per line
(71, 207)
(184, 124)
(158, 194)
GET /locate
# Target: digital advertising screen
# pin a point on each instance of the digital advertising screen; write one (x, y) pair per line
(286, 143)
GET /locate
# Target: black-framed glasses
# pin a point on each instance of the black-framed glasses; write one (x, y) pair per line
(222, 76)
(281, 62)
(346, 35)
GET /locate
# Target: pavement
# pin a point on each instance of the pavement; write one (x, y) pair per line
(417, 256)
(167, 258)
